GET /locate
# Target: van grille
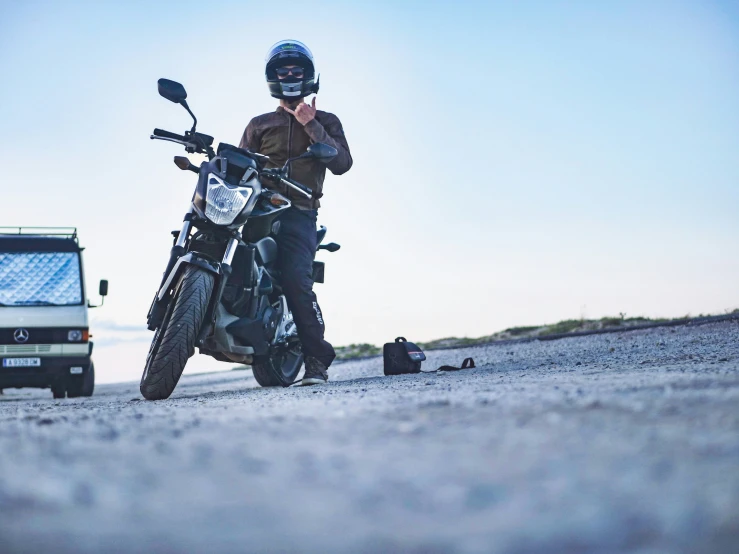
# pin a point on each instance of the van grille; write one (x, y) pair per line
(25, 348)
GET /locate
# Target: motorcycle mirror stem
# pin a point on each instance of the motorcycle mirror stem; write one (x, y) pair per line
(291, 160)
(322, 152)
(286, 166)
(183, 103)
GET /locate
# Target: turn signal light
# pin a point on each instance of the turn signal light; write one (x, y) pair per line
(182, 162)
(277, 200)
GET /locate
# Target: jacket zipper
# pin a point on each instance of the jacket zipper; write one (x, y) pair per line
(289, 146)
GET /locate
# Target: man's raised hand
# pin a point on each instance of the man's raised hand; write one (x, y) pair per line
(303, 113)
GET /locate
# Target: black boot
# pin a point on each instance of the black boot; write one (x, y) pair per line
(316, 373)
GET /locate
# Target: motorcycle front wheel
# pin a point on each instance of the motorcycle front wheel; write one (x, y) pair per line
(174, 341)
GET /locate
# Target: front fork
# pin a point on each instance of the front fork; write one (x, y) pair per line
(159, 305)
(179, 246)
(161, 300)
(225, 273)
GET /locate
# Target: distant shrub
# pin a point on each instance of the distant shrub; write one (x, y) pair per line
(361, 350)
(566, 326)
(611, 321)
(515, 331)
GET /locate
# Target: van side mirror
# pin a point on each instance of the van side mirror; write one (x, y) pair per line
(103, 291)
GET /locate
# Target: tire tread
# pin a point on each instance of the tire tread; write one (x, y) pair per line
(178, 343)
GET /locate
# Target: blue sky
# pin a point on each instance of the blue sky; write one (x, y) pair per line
(515, 162)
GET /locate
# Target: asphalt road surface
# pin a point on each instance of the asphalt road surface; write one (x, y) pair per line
(608, 443)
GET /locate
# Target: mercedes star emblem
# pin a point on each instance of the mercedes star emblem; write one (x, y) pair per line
(20, 335)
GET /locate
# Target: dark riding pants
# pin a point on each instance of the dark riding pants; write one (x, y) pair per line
(297, 244)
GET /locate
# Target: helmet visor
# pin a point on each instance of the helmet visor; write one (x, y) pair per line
(286, 53)
(297, 72)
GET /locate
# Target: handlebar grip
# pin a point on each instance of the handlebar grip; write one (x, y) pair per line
(301, 187)
(167, 134)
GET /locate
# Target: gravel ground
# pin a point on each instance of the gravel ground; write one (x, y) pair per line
(608, 443)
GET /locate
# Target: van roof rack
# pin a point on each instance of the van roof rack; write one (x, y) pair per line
(68, 232)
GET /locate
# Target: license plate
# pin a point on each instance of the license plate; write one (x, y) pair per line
(22, 362)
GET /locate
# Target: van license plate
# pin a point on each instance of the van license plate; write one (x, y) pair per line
(22, 362)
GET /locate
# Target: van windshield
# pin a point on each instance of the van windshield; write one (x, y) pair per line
(40, 279)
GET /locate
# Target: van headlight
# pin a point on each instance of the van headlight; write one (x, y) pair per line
(224, 202)
(78, 335)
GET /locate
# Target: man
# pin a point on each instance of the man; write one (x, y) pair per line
(286, 133)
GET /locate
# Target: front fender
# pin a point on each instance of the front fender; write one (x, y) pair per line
(191, 258)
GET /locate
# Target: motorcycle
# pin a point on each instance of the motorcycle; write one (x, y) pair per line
(221, 288)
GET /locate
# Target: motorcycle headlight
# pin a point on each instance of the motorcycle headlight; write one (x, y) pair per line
(223, 202)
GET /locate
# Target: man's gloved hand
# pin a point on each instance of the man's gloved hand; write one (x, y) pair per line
(304, 113)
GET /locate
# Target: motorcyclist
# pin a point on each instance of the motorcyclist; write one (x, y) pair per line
(283, 134)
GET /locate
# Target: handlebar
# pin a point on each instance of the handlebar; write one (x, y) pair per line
(194, 143)
(301, 188)
(167, 134)
(275, 175)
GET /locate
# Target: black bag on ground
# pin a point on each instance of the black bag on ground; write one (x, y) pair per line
(402, 356)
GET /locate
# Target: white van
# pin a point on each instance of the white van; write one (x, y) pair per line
(44, 329)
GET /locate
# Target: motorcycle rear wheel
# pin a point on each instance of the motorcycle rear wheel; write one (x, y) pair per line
(174, 341)
(278, 369)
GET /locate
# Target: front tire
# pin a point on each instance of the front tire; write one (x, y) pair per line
(174, 341)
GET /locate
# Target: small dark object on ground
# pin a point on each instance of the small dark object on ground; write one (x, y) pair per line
(468, 363)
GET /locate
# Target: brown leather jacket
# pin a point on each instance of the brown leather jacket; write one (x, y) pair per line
(280, 136)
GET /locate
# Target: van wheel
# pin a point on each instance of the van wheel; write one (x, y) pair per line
(82, 385)
(88, 385)
(59, 389)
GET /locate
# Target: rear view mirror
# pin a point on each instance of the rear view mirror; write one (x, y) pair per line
(172, 91)
(103, 291)
(322, 152)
